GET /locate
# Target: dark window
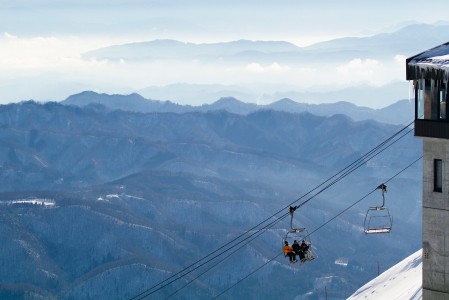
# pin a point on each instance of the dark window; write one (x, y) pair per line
(431, 97)
(438, 175)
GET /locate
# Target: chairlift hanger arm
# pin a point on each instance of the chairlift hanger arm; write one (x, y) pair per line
(383, 187)
(292, 209)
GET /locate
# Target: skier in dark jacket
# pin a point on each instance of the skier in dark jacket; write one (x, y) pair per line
(306, 249)
(297, 249)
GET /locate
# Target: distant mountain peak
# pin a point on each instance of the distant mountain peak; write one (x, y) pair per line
(227, 100)
(95, 95)
(85, 93)
(286, 100)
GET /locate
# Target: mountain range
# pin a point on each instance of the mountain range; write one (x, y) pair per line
(206, 93)
(102, 203)
(135, 102)
(379, 46)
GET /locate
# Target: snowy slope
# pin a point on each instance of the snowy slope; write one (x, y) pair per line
(400, 282)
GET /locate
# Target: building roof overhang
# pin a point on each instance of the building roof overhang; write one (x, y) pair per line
(430, 64)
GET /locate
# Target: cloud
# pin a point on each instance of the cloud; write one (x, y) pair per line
(273, 68)
(44, 53)
(9, 36)
(370, 71)
(400, 59)
(359, 66)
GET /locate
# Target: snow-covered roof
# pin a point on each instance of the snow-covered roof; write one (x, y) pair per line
(433, 63)
(403, 281)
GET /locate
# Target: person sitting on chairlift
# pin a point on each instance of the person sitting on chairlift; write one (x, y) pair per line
(305, 248)
(288, 251)
(297, 249)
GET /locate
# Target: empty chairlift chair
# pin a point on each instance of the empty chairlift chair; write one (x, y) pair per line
(378, 219)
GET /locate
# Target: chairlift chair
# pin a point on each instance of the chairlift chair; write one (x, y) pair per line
(378, 218)
(298, 234)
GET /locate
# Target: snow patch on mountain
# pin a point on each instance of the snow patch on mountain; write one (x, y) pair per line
(34, 201)
(400, 282)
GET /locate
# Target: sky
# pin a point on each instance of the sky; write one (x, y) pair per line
(41, 41)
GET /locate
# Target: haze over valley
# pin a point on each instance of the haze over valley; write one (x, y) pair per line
(367, 71)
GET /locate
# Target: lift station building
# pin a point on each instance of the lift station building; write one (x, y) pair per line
(429, 72)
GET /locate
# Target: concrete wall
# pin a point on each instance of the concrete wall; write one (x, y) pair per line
(435, 222)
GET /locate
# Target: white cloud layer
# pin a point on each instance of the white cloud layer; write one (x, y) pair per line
(45, 53)
(400, 59)
(371, 71)
(273, 68)
(357, 66)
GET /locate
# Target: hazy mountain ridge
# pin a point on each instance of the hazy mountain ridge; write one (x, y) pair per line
(169, 49)
(137, 103)
(399, 41)
(402, 41)
(370, 71)
(138, 196)
(271, 70)
(260, 94)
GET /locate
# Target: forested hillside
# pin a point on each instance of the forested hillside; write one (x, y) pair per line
(103, 204)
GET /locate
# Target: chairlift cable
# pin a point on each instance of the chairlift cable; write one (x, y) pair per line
(353, 168)
(248, 275)
(355, 165)
(346, 209)
(260, 231)
(321, 226)
(254, 236)
(170, 279)
(345, 171)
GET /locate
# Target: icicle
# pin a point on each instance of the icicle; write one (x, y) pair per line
(409, 93)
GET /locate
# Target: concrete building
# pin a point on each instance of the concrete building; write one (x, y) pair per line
(429, 72)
